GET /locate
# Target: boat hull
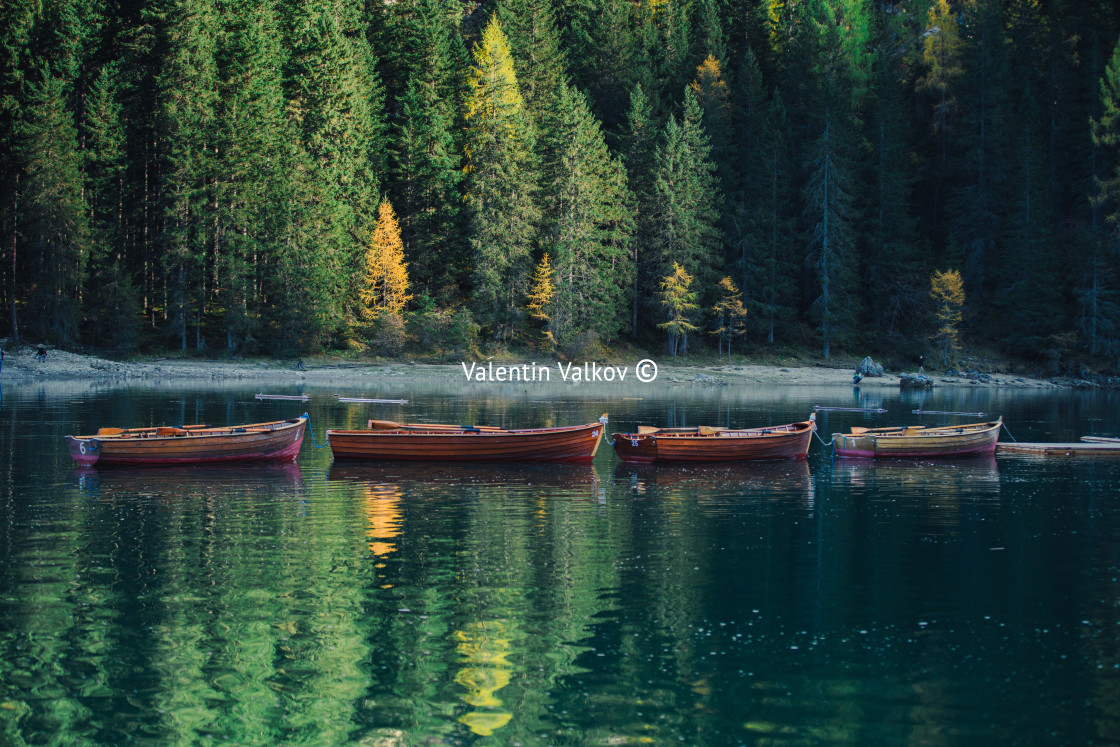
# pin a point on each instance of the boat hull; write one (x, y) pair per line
(277, 441)
(963, 441)
(756, 444)
(566, 444)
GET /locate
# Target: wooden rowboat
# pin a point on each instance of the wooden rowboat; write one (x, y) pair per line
(192, 444)
(919, 442)
(710, 444)
(388, 440)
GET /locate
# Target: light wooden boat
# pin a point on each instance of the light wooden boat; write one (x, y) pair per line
(388, 440)
(711, 444)
(192, 444)
(918, 442)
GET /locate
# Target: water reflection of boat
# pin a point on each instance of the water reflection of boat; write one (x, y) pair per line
(433, 476)
(920, 474)
(191, 480)
(792, 474)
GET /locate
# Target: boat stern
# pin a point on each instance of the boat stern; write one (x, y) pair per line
(635, 448)
(84, 451)
(853, 445)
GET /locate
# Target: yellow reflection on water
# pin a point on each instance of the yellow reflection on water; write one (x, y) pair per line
(484, 647)
(383, 513)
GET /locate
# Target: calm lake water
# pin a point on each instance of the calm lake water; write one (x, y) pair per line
(819, 601)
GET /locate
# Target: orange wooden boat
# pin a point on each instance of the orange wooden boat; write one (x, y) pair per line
(192, 444)
(919, 442)
(456, 443)
(710, 444)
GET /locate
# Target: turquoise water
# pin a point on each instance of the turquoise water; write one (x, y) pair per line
(781, 603)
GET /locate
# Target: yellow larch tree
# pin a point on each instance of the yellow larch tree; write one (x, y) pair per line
(385, 287)
(679, 301)
(730, 314)
(947, 292)
(541, 292)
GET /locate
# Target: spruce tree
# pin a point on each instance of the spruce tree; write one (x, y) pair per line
(686, 200)
(1098, 292)
(502, 181)
(54, 213)
(111, 304)
(978, 201)
(638, 147)
(588, 226)
(337, 98)
(187, 94)
(767, 257)
(259, 157)
(426, 164)
(828, 195)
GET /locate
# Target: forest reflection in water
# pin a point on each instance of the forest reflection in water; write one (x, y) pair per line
(329, 603)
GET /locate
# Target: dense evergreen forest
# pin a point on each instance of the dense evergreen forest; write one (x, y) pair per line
(291, 176)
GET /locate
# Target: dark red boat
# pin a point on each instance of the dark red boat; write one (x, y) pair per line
(711, 444)
(388, 440)
(192, 444)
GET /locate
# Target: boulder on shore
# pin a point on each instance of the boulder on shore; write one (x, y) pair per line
(868, 367)
(914, 381)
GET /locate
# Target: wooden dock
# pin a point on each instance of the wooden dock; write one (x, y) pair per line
(1079, 450)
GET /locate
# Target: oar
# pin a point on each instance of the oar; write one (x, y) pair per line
(122, 431)
(390, 425)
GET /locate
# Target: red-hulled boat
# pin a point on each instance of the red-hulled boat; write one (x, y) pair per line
(457, 443)
(710, 444)
(192, 444)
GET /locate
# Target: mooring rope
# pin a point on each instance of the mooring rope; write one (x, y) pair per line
(1008, 431)
(311, 432)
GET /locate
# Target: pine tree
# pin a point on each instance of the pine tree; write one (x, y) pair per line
(588, 227)
(894, 266)
(1101, 318)
(534, 43)
(337, 98)
(187, 94)
(713, 96)
(55, 214)
(426, 162)
(764, 251)
(679, 302)
(639, 144)
(260, 155)
(686, 199)
(828, 199)
(111, 304)
(618, 61)
(979, 197)
(502, 180)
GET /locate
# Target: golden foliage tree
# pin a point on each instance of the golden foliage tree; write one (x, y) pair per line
(947, 292)
(679, 301)
(385, 287)
(730, 314)
(541, 292)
